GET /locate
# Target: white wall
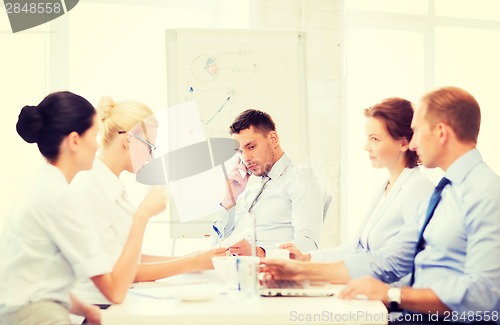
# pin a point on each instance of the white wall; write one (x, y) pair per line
(405, 48)
(392, 48)
(322, 22)
(23, 67)
(117, 48)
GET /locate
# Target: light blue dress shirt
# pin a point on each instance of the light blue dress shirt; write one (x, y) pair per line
(460, 261)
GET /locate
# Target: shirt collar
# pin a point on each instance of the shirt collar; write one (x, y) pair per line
(459, 169)
(279, 166)
(52, 170)
(113, 185)
(405, 174)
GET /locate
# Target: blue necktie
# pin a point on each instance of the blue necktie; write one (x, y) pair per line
(436, 196)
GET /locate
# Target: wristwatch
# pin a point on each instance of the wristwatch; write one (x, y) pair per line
(394, 297)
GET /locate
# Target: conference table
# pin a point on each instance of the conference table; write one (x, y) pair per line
(201, 298)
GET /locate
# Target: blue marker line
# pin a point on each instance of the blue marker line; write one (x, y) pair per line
(220, 109)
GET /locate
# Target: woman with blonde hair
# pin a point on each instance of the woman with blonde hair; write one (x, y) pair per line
(128, 130)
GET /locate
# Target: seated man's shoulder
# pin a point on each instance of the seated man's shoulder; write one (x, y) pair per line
(480, 192)
(301, 170)
(483, 181)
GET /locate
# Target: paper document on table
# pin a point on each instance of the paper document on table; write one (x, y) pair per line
(156, 291)
(188, 278)
(192, 292)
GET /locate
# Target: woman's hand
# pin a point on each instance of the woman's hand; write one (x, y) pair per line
(295, 253)
(203, 260)
(154, 203)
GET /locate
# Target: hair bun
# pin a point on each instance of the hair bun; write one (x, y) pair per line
(105, 108)
(30, 124)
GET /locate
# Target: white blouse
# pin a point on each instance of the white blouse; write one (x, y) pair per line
(363, 238)
(385, 216)
(46, 244)
(105, 199)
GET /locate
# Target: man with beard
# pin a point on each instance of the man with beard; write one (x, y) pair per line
(289, 202)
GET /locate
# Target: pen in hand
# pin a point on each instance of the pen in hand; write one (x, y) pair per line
(218, 234)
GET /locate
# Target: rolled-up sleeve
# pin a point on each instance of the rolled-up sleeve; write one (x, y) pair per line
(224, 222)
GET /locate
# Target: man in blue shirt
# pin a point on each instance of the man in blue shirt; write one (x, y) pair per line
(454, 261)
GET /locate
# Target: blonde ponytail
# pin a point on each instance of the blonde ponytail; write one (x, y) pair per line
(120, 116)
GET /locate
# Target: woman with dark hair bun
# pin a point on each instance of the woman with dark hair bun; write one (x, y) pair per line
(30, 124)
(47, 243)
(55, 117)
(388, 134)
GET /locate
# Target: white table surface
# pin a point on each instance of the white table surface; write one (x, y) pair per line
(161, 303)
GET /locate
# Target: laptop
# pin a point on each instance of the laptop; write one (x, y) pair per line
(293, 288)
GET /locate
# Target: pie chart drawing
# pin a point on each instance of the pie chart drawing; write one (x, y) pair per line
(205, 68)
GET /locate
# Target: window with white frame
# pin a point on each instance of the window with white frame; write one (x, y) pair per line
(24, 81)
(404, 48)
